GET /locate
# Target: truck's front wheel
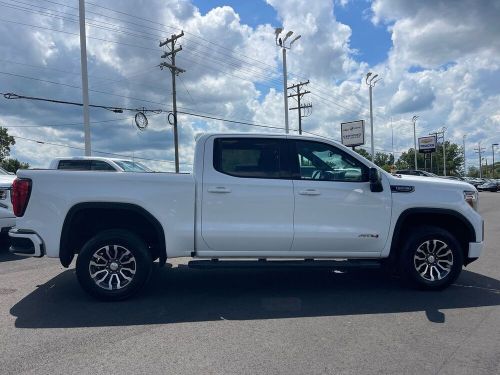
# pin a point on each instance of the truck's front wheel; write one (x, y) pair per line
(431, 259)
(113, 265)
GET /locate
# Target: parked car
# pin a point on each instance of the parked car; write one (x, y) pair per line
(250, 196)
(416, 172)
(7, 217)
(85, 163)
(491, 185)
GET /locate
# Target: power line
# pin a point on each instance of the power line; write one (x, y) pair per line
(10, 95)
(61, 125)
(96, 151)
(77, 87)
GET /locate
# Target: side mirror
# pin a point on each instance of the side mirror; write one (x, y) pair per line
(375, 180)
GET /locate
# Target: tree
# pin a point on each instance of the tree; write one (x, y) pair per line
(363, 153)
(454, 160)
(473, 172)
(10, 165)
(5, 142)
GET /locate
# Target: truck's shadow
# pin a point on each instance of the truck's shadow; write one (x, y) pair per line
(185, 295)
(5, 255)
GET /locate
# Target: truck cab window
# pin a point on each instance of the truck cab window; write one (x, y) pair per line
(99, 165)
(74, 165)
(320, 161)
(248, 157)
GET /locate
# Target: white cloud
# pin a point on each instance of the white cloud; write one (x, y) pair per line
(444, 66)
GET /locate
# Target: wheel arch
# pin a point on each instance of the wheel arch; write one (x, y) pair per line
(92, 217)
(450, 220)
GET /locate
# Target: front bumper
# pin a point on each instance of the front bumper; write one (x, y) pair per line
(26, 243)
(475, 249)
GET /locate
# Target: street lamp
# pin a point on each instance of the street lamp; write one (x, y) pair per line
(493, 164)
(414, 120)
(371, 81)
(443, 130)
(282, 44)
(465, 165)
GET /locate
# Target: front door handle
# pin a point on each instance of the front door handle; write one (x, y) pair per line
(219, 189)
(309, 192)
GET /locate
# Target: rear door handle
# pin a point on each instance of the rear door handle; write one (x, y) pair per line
(309, 192)
(219, 189)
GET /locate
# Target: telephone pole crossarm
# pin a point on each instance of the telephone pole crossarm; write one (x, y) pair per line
(171, 67)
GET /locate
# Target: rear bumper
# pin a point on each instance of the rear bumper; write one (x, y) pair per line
(475, 249)
(26, 243)
(6, 223)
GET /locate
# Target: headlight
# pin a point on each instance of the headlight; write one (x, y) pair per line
(472, 198)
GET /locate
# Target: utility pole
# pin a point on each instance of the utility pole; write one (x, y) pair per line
(414, 120)
(85, 80)
(298, 96)
(493, 155)
(371, 81)
(281, 43)
(478, 151)
(174, 70)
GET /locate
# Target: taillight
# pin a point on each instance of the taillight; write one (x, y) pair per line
(20, 195)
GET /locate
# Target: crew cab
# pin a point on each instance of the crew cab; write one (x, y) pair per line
(281, 200)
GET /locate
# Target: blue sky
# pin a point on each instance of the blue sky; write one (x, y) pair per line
(372, 42)
(252, 13)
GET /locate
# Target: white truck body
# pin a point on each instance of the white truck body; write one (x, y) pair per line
(209, 214)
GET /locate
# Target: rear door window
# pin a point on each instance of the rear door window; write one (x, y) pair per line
(250, 157)
(99, 165)
(74, 165)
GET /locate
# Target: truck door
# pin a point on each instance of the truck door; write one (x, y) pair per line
(335, 211)
(247, 195)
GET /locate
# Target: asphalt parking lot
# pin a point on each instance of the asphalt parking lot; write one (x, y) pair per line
(253, 321)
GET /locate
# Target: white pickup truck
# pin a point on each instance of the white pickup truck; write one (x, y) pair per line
(277, 199)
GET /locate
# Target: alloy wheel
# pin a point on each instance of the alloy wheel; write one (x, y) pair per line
(112, 267)
(433, 260)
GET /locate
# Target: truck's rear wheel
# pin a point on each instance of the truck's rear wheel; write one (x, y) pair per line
(113, 265)
(432, 258)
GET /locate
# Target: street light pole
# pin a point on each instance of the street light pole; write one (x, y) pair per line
(444, 151)
(85, 80)
(285, 92)
(465, 165)
(371, 82)
(281, 43)
(493, 155)
(414, 119)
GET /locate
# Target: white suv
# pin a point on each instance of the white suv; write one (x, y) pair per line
(7, 217)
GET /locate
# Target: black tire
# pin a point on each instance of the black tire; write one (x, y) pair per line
(103, 250)
(424, 251)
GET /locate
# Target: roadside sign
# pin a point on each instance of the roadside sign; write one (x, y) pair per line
(353, 133)
(427, 144)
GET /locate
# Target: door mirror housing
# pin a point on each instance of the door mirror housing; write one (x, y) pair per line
(375, 179)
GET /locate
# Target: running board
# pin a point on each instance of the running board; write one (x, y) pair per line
(263, 263)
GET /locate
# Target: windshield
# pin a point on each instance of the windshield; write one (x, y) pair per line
(3, 171)
(131, 166)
